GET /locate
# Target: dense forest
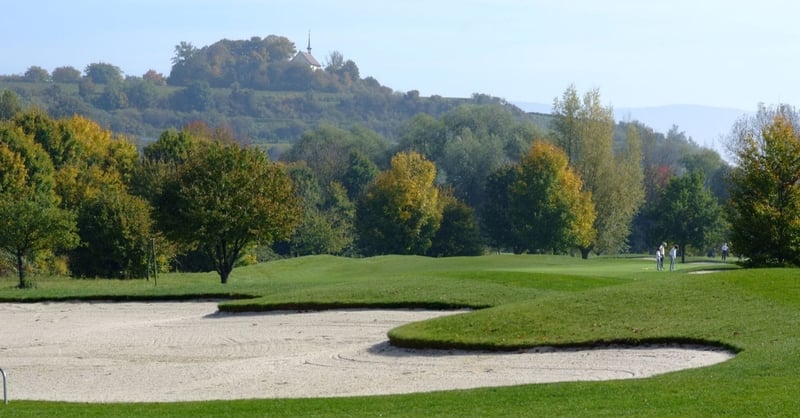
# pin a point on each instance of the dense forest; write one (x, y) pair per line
(373, 171)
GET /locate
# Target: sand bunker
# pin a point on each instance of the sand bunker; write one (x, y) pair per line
(181, 351)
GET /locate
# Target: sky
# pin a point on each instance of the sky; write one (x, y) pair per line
(723, 53)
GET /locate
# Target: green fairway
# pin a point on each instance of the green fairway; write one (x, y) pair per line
(519, 301)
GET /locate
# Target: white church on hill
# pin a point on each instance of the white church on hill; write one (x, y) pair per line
(305, 58)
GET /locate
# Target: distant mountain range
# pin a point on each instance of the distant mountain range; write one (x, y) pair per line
(707, 126)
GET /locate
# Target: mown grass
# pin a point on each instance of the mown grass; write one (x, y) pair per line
(525, 301)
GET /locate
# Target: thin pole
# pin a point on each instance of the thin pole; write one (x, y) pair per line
(5, 391)
(155, 261)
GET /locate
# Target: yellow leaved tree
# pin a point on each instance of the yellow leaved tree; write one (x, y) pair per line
(400, 211)
(549, 210)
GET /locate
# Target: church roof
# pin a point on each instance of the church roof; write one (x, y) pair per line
(306, 58)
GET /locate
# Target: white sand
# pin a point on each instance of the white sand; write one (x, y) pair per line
(177, 351)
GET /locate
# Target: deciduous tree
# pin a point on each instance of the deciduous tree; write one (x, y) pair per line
(549, 210)
(93, 172)
(496, 215)
(103, 73)
(328, 151)
(687, 213)
(225, 198)
(9, 104)
(764, 208)
(326, 226)
(400, 211)
(66, 75)
(36, 74)
(30, 217)
(470, 142)
(584, 129)
(116, 229)
(458, 233)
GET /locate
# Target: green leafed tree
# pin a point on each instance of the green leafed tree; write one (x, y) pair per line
(117, 230)
(9, 104)
(400, 211)
(328, 151)
(103, 73)
(32, 223)
(66, 74)
(172, 146)
(359, 174)
(764, 205)
(141, 93)
(584, 129)
(30, 217)
(326, 226)
(467, 161)
(36, 74)
(688, 214)
(197, 96)
(458, 233)
(225, 198)
(495, 214)
(468, 143)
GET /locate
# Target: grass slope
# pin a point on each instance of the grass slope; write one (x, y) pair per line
(528, 300)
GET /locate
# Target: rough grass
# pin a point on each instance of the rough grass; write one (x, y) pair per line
(525, 301)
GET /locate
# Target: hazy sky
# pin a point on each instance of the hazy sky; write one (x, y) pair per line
(727, 53)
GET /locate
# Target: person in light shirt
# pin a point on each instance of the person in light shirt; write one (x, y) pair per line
(673, 254)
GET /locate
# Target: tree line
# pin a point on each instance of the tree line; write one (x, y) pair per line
(81, 200)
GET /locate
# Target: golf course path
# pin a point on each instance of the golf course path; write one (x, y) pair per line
(183, 351)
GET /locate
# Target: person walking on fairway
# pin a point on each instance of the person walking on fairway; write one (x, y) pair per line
(724, 251)
(673, 254)
(660, 254)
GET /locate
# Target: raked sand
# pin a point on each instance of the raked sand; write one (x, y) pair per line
(183, 351)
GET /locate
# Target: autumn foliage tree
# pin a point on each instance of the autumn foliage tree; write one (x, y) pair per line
(400, 211)
(764, 205)
(542, 207)
(93, 168)
(551, 211)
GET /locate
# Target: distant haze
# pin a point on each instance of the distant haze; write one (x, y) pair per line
(707, 126)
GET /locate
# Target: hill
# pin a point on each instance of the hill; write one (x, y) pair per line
(266, 91)
(263, 90)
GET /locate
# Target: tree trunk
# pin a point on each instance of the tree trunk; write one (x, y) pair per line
(21, 269)
(585, 252)
(682, 249)
(224, 269)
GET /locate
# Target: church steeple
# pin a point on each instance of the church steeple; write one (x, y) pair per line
(306, 58)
